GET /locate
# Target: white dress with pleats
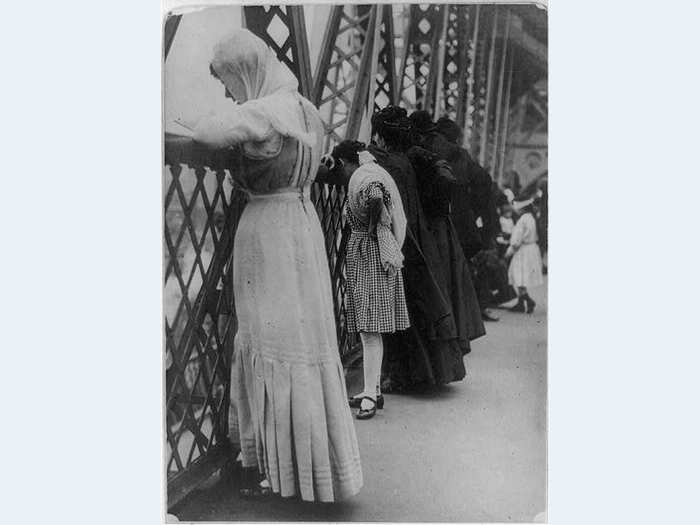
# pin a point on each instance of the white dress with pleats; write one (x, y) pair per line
(289, 410)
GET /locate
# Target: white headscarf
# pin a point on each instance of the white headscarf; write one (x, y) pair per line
(264, 87)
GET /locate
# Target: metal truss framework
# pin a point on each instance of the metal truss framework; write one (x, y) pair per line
(420, 63)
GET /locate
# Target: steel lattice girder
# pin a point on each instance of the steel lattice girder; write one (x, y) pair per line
(386, 74)
(342, 73)
(420, 63)
(457, 61)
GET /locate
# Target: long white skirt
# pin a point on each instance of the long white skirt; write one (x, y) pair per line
(289, 409)
(526, 267)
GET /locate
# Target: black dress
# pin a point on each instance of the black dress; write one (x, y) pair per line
(428, 353)
(472, 195)
(436, 186)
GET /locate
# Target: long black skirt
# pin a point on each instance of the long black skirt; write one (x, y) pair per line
(466, 310)
(429, 352)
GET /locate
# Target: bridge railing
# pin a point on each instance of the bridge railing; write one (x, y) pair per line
(201, 211)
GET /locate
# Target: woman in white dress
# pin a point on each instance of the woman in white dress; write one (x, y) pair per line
(288, 410)
(525, 270)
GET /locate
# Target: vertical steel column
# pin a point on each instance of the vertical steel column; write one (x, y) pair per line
(489, 89)
(324, 59)
(431, 82)
(468, 126)
(364, 129)
(463, 64)
(391, 38)
(171, 25)
(499, 93)
(386, 81)
(506, 119)
(301, 48)
(363, 83)
(404, 59)
(441, 50)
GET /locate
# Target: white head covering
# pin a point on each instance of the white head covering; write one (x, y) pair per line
(259, 82)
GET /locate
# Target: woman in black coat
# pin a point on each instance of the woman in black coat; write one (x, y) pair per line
(429, 352)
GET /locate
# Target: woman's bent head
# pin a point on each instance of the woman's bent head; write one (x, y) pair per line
(249, 68)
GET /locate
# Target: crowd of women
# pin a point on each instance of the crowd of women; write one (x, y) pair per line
(419, 208)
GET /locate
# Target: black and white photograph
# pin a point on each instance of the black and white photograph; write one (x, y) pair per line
(355, 262)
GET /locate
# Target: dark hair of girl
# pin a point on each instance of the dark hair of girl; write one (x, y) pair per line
(348, 150)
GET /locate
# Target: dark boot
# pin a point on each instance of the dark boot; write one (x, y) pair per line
(251, 484)
(519, 307)
(530, 303)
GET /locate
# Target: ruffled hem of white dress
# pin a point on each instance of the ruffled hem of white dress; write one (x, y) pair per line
(297, 429)
(525, 268)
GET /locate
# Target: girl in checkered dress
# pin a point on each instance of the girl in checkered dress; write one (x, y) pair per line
(376, 302)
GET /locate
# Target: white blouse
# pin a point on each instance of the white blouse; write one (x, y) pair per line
(525, 231)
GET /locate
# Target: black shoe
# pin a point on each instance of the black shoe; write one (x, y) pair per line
(519, 307)
(355, 402)
(255, 492)
(487, 316)
(370, 413)
(251, 486)
(530, 304)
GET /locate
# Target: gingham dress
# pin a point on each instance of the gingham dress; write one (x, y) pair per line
(376, 301)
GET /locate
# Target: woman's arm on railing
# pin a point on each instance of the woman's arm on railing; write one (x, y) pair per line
(180, 149)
